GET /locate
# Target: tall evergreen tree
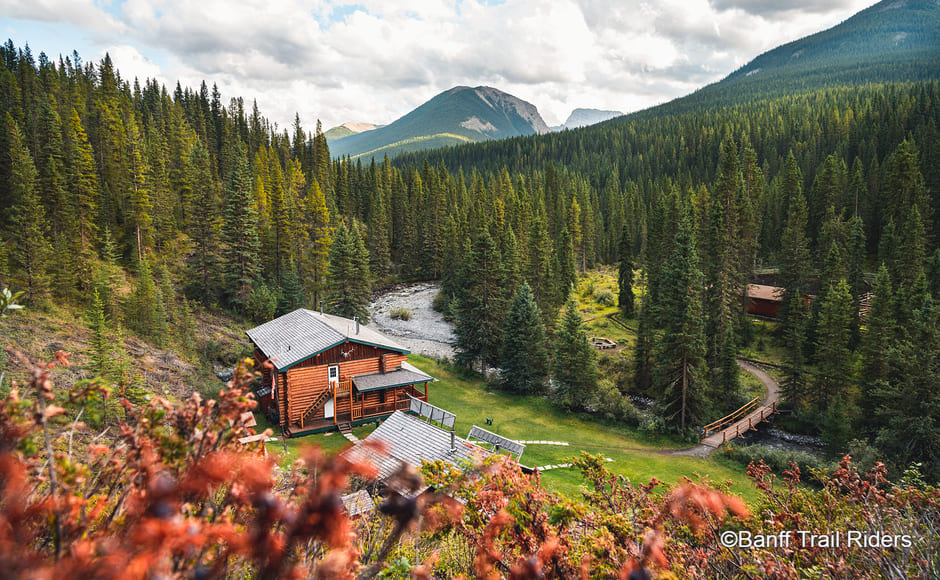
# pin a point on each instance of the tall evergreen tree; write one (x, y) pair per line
(880, 332)
(794, 270)
(241, 263)
(680, 377)
(82, 180)
(625, 277)
(29, 230)
(481, 305)
(524, 361)
(833, 357)
(574, 366)
(320, 233)
(350, 282)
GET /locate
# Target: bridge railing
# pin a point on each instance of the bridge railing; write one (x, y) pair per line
(720, 424)
(751, 423)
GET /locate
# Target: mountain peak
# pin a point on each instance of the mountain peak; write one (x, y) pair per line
(458, 115)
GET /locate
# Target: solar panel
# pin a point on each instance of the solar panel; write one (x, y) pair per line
(433, 413)
(482, 434)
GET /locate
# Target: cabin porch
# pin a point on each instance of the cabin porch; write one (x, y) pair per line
(353, 408)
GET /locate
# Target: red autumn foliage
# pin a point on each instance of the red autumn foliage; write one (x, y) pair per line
(175, 495)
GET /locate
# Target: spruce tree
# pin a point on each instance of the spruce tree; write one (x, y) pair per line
(566, 273)
(241, 264)
(29, 233)
(574, 366)
(350, 282)
(907, 403)
(320, 233)
(681, 377)
(100, 347)
(625, 298)
(880, 332)
(794, 270)
(833, 357)
(524, 361)
(84, 190)
(481, 305)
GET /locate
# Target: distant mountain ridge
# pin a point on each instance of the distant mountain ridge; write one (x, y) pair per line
(585, 117)
(347, 129)
(892, 41)
(456, 116)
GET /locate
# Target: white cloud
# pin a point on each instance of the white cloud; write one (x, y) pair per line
(374, 60)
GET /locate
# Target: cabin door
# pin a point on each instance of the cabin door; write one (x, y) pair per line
(332, 374)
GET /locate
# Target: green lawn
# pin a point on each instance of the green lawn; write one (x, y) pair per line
(534, 418)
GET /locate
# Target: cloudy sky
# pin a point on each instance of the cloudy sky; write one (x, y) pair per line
(375, 60)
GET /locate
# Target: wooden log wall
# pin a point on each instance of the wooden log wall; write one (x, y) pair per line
(305, 384)
(306, 380)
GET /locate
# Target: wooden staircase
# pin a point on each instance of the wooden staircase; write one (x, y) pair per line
(345, 428)
(315, 406)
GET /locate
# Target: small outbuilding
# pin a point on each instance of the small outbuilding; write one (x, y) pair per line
(764, 300)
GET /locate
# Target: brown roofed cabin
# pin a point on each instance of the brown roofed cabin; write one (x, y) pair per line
(329, 371)
(764, 300)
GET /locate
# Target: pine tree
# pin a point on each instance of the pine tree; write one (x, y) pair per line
(82, 180)
(349, 279)
(204, 224)
(139, 185)
(856, 273)
(241, 268)
(524, 361)
(29, 229)
(146, 311)
(907, 403)
(566, 272)
(100, 347)
(321, 238)
(833, 357)
(538, 269)
(794, 269)
(681, 376)
(574, 368)
(625, 297)
(481, 305)
(880, 331)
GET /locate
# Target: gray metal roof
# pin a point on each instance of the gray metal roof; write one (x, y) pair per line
(358, 503)
(408, 439)
(396, 378)
(300, 334)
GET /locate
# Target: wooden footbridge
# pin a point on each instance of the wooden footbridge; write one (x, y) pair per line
(747, 417)
(744, 419)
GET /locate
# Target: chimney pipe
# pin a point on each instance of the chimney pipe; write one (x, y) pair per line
(321, 308)
(453, 440)
(356, 318)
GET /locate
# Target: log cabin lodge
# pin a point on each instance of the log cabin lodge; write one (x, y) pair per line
(328, 372)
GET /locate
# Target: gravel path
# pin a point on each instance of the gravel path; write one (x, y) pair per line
(426, 332)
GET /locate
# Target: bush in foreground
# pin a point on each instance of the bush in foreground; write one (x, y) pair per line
(176, 495)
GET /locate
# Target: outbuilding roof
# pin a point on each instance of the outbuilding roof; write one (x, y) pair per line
(300, 334)
(762, 292)
(408, 439)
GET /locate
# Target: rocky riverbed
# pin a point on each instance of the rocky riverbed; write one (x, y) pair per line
(425, 332)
